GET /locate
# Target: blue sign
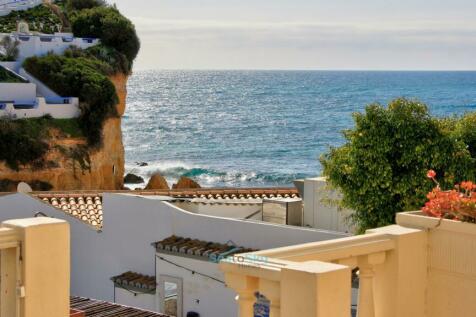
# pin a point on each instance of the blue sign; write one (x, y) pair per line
(261, 307)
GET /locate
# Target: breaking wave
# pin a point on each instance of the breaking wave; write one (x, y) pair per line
(208, 177)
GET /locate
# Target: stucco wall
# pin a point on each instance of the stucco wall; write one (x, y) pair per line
(13, 66)
(33, 45)
(452, 272)
(200, 294)
(233, 210)
(19, 92)
(318, 213)
(144, 301)
(132, 223)
(58, 111)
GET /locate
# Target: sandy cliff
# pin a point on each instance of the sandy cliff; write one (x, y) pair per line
(68, 166)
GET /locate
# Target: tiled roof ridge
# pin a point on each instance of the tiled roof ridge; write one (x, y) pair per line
(212, 251)
(136, 281)
(98, 308)
(86, 205)
(173, 192)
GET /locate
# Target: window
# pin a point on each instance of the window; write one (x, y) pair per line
(170, 292)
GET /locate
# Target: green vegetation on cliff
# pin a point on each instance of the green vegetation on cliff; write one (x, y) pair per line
(113, 29)
(25, 141)
(8, 77)
(84, 78)
(78, 73)
(40, 19)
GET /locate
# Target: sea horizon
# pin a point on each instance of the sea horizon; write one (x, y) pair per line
(255, 128)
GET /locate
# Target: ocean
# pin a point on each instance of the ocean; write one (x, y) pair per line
(263, 128)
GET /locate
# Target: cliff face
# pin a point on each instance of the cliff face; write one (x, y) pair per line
(102, 168)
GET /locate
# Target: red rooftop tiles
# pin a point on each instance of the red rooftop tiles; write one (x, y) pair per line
(96, 308)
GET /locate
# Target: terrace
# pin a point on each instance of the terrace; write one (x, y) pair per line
(421, 267)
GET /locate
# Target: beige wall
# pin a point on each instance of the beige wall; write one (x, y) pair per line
(422, 267)
(45, 267)
(451, 288)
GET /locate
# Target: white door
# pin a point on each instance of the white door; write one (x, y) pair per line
(170, 291)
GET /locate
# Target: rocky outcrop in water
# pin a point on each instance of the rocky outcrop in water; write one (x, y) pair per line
(186, 183)
(157, 181)
(133, 179)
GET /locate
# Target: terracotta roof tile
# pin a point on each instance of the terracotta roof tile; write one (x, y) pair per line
(136, 282)
(87, 208)
(205, 250)
(96, 308)
(87, 205)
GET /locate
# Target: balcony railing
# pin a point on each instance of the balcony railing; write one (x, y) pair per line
(314, 279)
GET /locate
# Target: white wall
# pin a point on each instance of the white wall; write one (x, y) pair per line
(38, 45)
(230, 210)
(7, 6)
(144, 301)
(57, 111)
(19, 92)
(200, 294)
(13, 66)
(132, 223)
(318, 213)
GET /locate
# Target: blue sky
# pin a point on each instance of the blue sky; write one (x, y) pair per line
(305, 34)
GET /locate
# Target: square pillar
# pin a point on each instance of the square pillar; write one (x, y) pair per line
(315, 289)
(45, 266)
(400, 284)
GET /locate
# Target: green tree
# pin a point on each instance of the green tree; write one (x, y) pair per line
(79, 77)
(112, 28)
(381, 168)
(84, 4)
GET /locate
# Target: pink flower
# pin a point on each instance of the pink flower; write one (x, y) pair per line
(431, 174)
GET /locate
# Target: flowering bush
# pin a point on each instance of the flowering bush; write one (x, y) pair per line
(458, 203)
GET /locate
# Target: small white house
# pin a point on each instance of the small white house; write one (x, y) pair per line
(41, 44)
(7, 6)
(21, 101)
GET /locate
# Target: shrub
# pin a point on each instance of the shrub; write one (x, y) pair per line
(84, 4)
(112, 28)
(21, 143)
(465, 130)
(39, 18)
(116, 61)
(80, 77)
(9, 77)
(380, 169)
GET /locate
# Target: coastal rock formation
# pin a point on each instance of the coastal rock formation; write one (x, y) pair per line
(157, 181)
(71, 165)
(133, 179)
(186, 183)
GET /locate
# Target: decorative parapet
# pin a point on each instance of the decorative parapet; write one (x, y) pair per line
(314, 279)
(35, 267)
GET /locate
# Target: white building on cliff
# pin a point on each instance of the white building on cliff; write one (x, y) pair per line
(7, 6)
(30, 98)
